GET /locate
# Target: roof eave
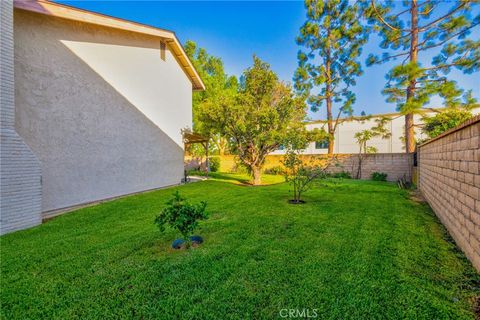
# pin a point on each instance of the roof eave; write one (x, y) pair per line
(72, 13)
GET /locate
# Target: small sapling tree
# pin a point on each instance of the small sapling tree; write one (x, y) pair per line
(182, 216)
(362, 137)
(298, 173)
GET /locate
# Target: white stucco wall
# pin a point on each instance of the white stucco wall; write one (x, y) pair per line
(345, 141)
(99, 107)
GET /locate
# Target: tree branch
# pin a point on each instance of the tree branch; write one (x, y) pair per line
(459, 61)
(449, 38)
(427, 26)
(336, 119)
(433, 7)
(404, 11)
(394, 56)
(403, 36)
(383, 20)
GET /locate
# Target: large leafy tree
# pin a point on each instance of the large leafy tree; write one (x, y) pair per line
(257, 118)
(217, 85)
(332, 38)
(414, 29)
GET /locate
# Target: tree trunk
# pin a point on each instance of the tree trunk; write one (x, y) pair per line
(257, 176)
(359, 169)
(295, 198)
(222, 146)
(331, 133)
(409, 132)
(207, 164)
(299, 194)
(329, 100)
(360, 159)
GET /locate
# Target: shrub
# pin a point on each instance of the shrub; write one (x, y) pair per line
(379, 176)
(445, 120)
(343, 175)
(239, 168)
(196, 172)
(182, 216)
(214, 164)
(276, 170)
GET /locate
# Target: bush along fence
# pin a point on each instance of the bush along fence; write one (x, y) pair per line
(449, 179)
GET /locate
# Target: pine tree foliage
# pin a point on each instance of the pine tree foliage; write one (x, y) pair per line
(411, 30)
(331, 39)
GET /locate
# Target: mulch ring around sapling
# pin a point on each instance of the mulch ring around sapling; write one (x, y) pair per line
(180, 244)
(292, 201)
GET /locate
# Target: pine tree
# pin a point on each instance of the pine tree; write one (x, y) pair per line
(332, 38)
(410, 29)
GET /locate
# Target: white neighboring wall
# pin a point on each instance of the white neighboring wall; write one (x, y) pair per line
(99, 107)
(20, 186)
(345, 141)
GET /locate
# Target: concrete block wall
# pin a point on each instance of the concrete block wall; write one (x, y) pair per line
(396, 165)
(449, 179)
(20, 185)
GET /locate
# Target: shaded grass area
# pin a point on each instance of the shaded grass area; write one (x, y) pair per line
(355, 250)
(239, 178)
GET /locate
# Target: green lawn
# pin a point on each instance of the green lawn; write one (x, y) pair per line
(241, 178)
(355, 250)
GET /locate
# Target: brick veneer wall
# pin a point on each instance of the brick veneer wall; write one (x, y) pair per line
(20, 183)
(449, 178)
(396, 165)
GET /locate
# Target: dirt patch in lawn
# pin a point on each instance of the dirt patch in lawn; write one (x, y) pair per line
(417, 196)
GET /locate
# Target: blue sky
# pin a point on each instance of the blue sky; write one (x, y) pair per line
(235, 31)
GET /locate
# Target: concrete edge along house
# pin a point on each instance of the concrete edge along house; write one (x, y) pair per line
(92, 107)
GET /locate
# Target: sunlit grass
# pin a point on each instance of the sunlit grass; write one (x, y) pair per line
(355, 250)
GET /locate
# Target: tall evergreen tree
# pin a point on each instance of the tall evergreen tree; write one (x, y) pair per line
(410, 29)
(332, 39)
